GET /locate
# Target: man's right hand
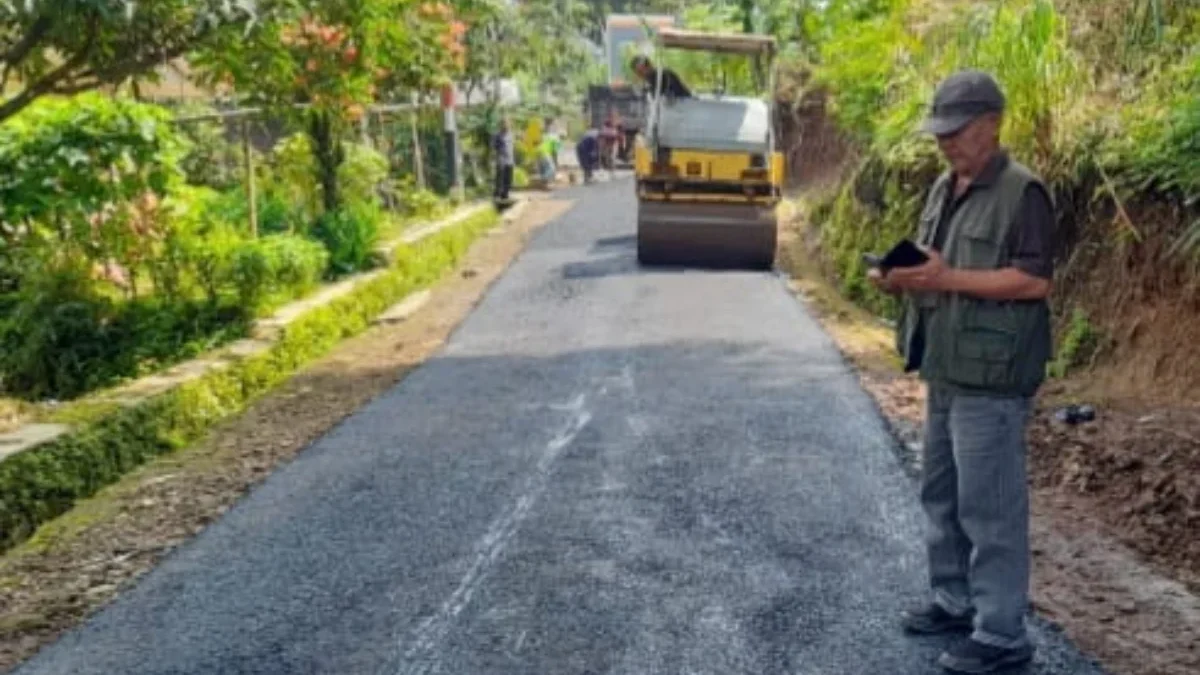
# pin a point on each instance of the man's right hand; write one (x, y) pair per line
(880, 281)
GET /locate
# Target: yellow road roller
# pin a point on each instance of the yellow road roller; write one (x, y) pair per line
(708, 174)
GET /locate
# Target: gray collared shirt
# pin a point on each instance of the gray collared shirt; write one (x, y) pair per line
(503, 145)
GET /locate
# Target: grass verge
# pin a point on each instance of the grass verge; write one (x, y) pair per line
(41, 484)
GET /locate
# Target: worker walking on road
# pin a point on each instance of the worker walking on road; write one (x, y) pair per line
(976, 324)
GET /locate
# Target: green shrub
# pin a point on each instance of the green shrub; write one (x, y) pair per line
(275, 214)
(418, 203)
(1080, 342)
(849, 228)
(208, 257)
(520, 178)
(361, 174)
(45, 482)
(80, 174)
(275, 268)
(350, 234)
(209, 251)
(229, 207)
(293, 176)
(55, 333)
(64, 338)
(10, 270)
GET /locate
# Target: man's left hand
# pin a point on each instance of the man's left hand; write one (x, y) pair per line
(931, 276)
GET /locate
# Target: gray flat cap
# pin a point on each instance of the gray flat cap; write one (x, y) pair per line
(961, 98)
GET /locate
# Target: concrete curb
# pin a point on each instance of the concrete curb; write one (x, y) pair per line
(404, 309)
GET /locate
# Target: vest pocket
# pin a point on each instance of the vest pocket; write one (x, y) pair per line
(985, 346)
(978, 247)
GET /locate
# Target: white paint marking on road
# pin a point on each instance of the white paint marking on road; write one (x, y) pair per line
(520, 642)
(422, 657)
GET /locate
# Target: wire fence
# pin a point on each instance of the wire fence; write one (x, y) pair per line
(246, 147)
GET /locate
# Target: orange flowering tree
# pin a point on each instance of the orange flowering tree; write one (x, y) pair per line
(327, 60)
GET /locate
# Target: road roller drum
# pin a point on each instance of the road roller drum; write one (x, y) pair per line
(716, 235)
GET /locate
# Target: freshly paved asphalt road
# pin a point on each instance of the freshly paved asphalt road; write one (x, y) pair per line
(606, 470)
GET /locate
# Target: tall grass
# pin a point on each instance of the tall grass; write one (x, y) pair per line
(1129, 36)
(1026, 48)
(864, 62)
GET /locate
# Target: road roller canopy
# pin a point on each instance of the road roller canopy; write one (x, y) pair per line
(723, 43)
(759, 49)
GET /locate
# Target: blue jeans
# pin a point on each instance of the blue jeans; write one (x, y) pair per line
(975, 494)
(546, 168)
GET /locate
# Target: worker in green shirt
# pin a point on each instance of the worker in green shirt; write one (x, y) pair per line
(548, 152)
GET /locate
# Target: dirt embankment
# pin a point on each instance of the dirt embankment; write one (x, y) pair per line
(1116, 502)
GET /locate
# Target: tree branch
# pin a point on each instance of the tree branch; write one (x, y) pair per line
(78, 75)
(48, 82)
(91, 79)
(16, 55)
(19, 51)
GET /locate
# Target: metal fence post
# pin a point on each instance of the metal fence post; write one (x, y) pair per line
(418, 159)
(251, 190)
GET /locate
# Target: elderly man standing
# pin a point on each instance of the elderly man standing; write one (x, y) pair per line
(976, 324)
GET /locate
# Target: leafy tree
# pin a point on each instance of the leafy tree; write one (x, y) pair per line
(50, 47)
(551, 34)
(492, 27)
(322, 64)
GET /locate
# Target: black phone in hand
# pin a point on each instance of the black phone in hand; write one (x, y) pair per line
(903, 254)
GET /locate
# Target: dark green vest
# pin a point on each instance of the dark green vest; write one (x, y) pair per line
(968, 344)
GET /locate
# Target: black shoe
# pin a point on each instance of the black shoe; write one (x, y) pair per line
(970, 656)
(932, 619)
